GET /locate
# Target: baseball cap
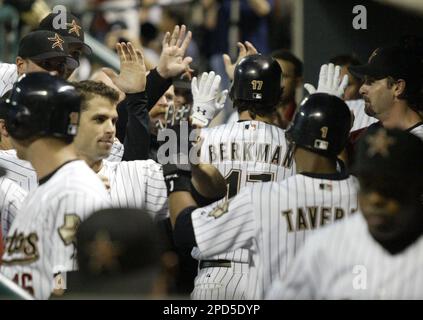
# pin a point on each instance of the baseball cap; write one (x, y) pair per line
(118, 251)
(392, 153)
(395, 61)
(42, 45)
(73, 33)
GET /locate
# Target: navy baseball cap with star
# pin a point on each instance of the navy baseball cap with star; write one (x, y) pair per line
(73, 33)
(43, 45)
(393, 154)
(395, 61)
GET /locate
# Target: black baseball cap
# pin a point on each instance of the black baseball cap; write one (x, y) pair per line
(73, 33)
(42, 45)
(393, 154)
(395, 61)
(118, 251)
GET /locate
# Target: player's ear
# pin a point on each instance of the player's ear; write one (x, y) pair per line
(21, 65)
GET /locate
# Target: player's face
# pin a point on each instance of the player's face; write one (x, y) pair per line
(352, 91)
(158, 112)
(75, 50)
(289, 80)
(97, 129)
(386, 208)
(378, 97)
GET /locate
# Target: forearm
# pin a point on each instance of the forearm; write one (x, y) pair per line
(208, 182)
(179, 201)
(137, 136)
(156, 87)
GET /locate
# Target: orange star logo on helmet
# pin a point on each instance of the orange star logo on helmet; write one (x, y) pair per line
(57, 41)
(74, 28)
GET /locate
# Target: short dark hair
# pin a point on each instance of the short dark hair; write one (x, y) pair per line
(345, 59)
(88, 89)
(254, 108)
(287, 55)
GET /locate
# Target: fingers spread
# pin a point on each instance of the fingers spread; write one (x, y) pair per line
(186, 42)
(181, 35)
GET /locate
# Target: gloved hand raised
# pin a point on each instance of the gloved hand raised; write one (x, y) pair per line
(329, 81)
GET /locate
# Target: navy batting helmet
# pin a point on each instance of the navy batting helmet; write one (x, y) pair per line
(321, 124)
(258, 79)
(42, 105)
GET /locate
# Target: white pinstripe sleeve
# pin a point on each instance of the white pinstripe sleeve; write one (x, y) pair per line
(116, 153)
(226, 226)
(8, 76)
(155, 190)
(65, 217)
(11, 198)
(302, 278)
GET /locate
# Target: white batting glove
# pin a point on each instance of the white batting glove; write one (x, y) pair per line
(207, 101)
(329, 81)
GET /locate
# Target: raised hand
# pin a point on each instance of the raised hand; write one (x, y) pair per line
(172, 61)
(329, 81)
(132, 76)
(244, 50)
(207, 99)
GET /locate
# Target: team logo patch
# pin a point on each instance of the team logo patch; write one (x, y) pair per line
(21, 249)
(57, 41)
(321, 144)
(220, 210)
(67, 231)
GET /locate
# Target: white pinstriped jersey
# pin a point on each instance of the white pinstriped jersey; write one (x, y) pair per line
(17, 170)
(244, 152)
(361, 119)
(8, 76)
(343, 261)
(272, 220)
(41, 240)
(116, 153)
(137, 184)
(11, 199)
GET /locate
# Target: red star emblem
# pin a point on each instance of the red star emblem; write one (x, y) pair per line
(57, 41)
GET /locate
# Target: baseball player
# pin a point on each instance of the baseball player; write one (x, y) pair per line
(272, 220)
(42, 119)
(376, 254)
(135, 184)
(245, 152)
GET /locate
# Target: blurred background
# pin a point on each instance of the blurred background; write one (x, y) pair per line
(314, 30)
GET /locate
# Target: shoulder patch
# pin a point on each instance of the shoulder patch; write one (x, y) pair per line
(68, 230)
(220, 210)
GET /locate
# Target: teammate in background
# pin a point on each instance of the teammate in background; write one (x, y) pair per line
(38, 51)
(270, 221)
(42, 120)
(377, 253)
(391, 90)
(292, 78)
(73, 34)
(352, 95)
